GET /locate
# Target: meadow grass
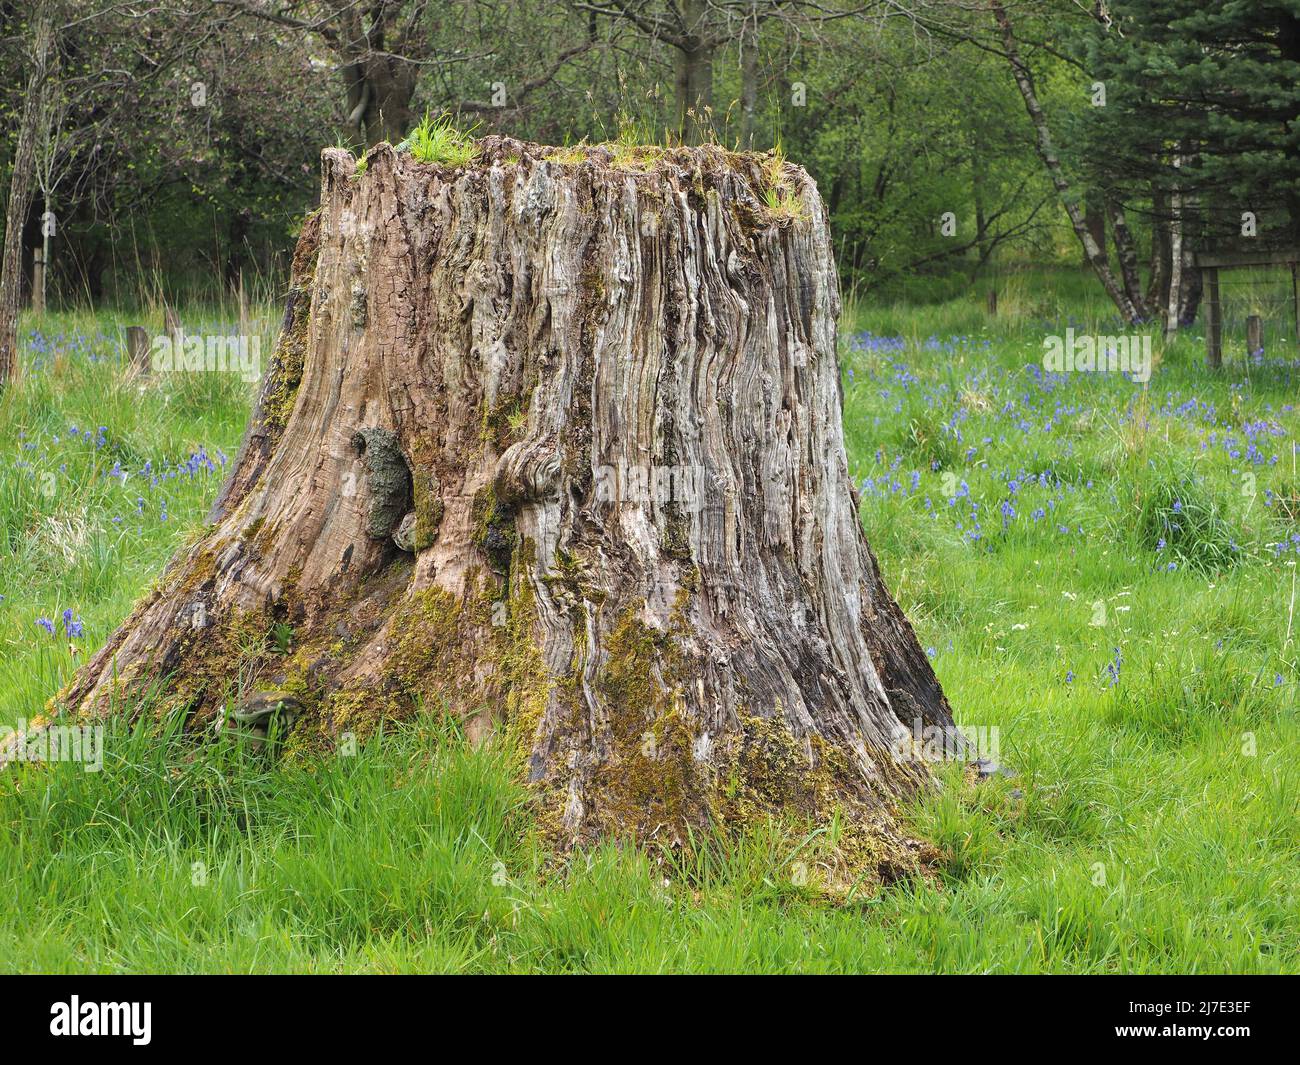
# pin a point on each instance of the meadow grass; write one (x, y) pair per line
(1102, 572)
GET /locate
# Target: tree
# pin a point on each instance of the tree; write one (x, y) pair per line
(21, 183)
(1201, 125)
(380, 48)
(383, 48)
(891, 178)
(116, 127)
(1094, 253)
(249, 153)
(51, 153)
(696, 30)
(553, 439)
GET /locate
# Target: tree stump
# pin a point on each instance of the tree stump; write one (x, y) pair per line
(553, 440)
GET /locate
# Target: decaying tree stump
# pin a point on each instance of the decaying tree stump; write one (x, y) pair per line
(554, 439)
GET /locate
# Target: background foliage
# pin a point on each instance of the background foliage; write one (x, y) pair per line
(187, 133)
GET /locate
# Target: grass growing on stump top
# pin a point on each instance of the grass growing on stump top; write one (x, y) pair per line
(1132, 653)
(439, 140)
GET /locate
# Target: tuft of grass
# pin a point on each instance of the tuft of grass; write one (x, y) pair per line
(779, 194)
(437, 139)
(358, 153)
(635, 148)
(569, 155)
(1179, 518)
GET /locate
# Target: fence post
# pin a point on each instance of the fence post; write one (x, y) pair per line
(137, 346)
(38, 281)
(1254, 336)
(1213, 318)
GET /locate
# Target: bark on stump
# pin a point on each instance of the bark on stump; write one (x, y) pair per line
(596, 397)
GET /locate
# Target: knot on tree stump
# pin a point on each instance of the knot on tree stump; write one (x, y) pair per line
(262, 716)
(388, 480)
(404, 534)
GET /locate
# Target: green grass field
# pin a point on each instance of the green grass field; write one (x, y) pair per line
(1104, 573)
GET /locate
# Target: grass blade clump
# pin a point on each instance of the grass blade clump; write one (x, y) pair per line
(1182, 520)
(438, 140)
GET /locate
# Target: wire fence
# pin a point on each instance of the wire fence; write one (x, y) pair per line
(1263, 291)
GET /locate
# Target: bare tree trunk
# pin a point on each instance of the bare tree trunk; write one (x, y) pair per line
(22, 181)
(558, 446)
(379, 93)
(1093, 252)
(1189, 300)
(982, 241)
(1157, 291)
(748, 80)
(1174, 305)
(47, 224)
(237, 229)
(1094, 217)
(695, 76)
(695, 95)
(1126, 255)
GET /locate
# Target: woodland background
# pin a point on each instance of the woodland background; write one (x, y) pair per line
(176, 142)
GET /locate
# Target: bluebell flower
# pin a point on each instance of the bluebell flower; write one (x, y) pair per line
(1115, 666)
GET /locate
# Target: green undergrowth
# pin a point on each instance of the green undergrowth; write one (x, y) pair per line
(1125, 623)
